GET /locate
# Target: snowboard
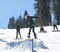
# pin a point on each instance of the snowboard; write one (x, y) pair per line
(42, 31)
(18, 39)
(55, 30)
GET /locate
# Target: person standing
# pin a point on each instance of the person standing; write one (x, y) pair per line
(30, 21)
(55, 24)
(18, 31)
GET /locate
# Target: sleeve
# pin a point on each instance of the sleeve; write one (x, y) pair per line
(33, 16)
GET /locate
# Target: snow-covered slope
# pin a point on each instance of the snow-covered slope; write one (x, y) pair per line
(45, 42)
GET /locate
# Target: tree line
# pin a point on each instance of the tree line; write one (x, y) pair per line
(20, 20)
(43, 10)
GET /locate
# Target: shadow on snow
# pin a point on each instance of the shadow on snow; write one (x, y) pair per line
(25, 44)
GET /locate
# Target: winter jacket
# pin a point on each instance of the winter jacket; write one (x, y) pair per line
(18, 28)
(31, 21)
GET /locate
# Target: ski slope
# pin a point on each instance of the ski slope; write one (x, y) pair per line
(45, 42)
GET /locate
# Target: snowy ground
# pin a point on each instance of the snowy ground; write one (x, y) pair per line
(45, 42)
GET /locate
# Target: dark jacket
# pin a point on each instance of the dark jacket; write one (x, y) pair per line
(18, 28)
(31, 21)
(41, 29)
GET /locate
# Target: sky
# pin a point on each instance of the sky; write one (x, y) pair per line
(9, 8)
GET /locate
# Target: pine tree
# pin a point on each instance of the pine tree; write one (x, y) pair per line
(58, 11)
(43, 12)
(25, 13)
(19, 21)
(11, 24)
(25, 24)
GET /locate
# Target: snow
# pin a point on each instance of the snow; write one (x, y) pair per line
(45, 42)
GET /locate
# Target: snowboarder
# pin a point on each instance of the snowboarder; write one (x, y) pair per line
(41, 29)
(30, 21)
(18, 31)
(55, 24)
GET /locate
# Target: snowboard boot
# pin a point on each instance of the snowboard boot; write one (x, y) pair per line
(28, 36)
